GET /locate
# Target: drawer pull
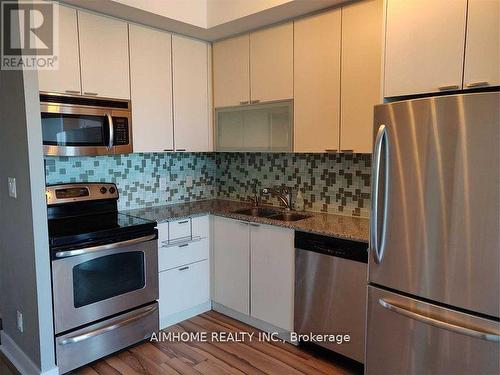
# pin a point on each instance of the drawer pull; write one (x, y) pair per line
(168, 150)
(331, 150)
(244, 102)
(477, 84)
(184, 245)
(255, 225)
(180, 149)
(91, 93)
(72, 91)
(184, 268)
(449, 87)
(183, 222)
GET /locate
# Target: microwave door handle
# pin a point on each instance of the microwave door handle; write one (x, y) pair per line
(111, 131)
(111, 327)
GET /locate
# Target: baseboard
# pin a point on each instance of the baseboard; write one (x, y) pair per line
(19, 359)
(254, 322)
(170, 320)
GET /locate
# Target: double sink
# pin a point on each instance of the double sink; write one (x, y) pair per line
(269, 213)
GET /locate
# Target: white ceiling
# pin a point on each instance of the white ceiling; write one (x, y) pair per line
(205, 19)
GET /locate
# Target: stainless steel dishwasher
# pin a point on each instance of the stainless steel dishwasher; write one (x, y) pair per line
(330, 291)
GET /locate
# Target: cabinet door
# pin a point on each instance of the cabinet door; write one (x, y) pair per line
(232, 264)
(231, 62)
(482, 66)
(272, 275)
(190, 73)
(151, 89)
(271, 63)
(362, 27)
(317, 82)
(104, 56)
(67, 78)
(424, 46)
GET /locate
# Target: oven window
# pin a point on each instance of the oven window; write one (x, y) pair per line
(74, 130)
(109, 276)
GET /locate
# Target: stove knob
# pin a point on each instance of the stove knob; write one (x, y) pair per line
(104, 190)
(112, 190)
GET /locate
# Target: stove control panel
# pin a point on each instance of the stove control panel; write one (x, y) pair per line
(90, 191)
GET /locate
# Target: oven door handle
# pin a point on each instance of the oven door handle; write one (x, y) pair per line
(111, 327)
(115, 245)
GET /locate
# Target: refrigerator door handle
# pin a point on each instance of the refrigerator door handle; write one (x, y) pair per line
(472, 332)
(376, 246)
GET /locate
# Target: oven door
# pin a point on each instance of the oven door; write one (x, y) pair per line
(76, 130)
(97, 282)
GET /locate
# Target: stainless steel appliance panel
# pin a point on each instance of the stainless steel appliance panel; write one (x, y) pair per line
(406, 336)
(98, 340)
(435, 221)
(330, 298)
(70, 312)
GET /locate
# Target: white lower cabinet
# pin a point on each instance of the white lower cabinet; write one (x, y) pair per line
(184, 266)
(254, 272)
(272, 276)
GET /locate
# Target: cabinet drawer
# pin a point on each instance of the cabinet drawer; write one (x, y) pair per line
(171, 256)
(183, 288)
(179, 229)
(200, 226)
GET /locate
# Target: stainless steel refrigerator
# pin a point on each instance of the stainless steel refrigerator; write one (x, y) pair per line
(434, 286)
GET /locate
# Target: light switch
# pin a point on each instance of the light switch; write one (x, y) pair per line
(12, 187)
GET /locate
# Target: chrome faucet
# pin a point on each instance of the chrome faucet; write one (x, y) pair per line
(283, 193)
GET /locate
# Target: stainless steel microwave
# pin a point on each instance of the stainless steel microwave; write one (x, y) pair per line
(78, 125)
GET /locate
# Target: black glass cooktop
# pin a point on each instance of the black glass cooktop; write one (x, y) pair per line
(90, 230)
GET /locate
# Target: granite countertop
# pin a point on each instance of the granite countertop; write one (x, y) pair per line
(346, 227)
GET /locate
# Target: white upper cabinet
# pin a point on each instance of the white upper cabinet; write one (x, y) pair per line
(271, 63)
(482, 51)
(151, 89)
(231, 66)
(317, 82)
(424, 46)
(66, 79)
(362, 34)
(104, 56)
(192, 127)
(272, 275)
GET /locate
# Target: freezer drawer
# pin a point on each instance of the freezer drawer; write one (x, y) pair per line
(98, 340)
(406, 336)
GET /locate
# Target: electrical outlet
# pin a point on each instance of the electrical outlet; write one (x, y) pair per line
(189, 181)
(12, 187)
(20, 326)
(163, 183)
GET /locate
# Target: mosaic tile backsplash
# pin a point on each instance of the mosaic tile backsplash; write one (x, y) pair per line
(138, 176)
(334, 183)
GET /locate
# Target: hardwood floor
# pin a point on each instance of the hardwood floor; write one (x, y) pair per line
(249, 357)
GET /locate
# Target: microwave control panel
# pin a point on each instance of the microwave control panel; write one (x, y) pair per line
(121, 135)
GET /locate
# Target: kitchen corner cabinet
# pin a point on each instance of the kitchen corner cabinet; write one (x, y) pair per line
(424, 46)
(361, 71)
(254, 270)
(104, 56)
(191, 86)
(272, 275)
(231, 253)
(66, 79)
(231, 63)
(317, 82)
(271, 63)
(482, 53)
(151, 89)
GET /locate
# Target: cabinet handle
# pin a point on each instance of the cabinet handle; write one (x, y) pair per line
(254, 225)
(243, 223)
(331, 150)
(449, 87)
(180, 149)
(183, 222)
(244, 102)
(168, 150)
(477, 84)
(254, 101)
(184, 268)
(184, 245)
(347, 150)
(91, 93)
(72, 91)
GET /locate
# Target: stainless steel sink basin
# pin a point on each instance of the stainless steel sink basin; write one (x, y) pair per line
(289, 216)
(257, 211)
